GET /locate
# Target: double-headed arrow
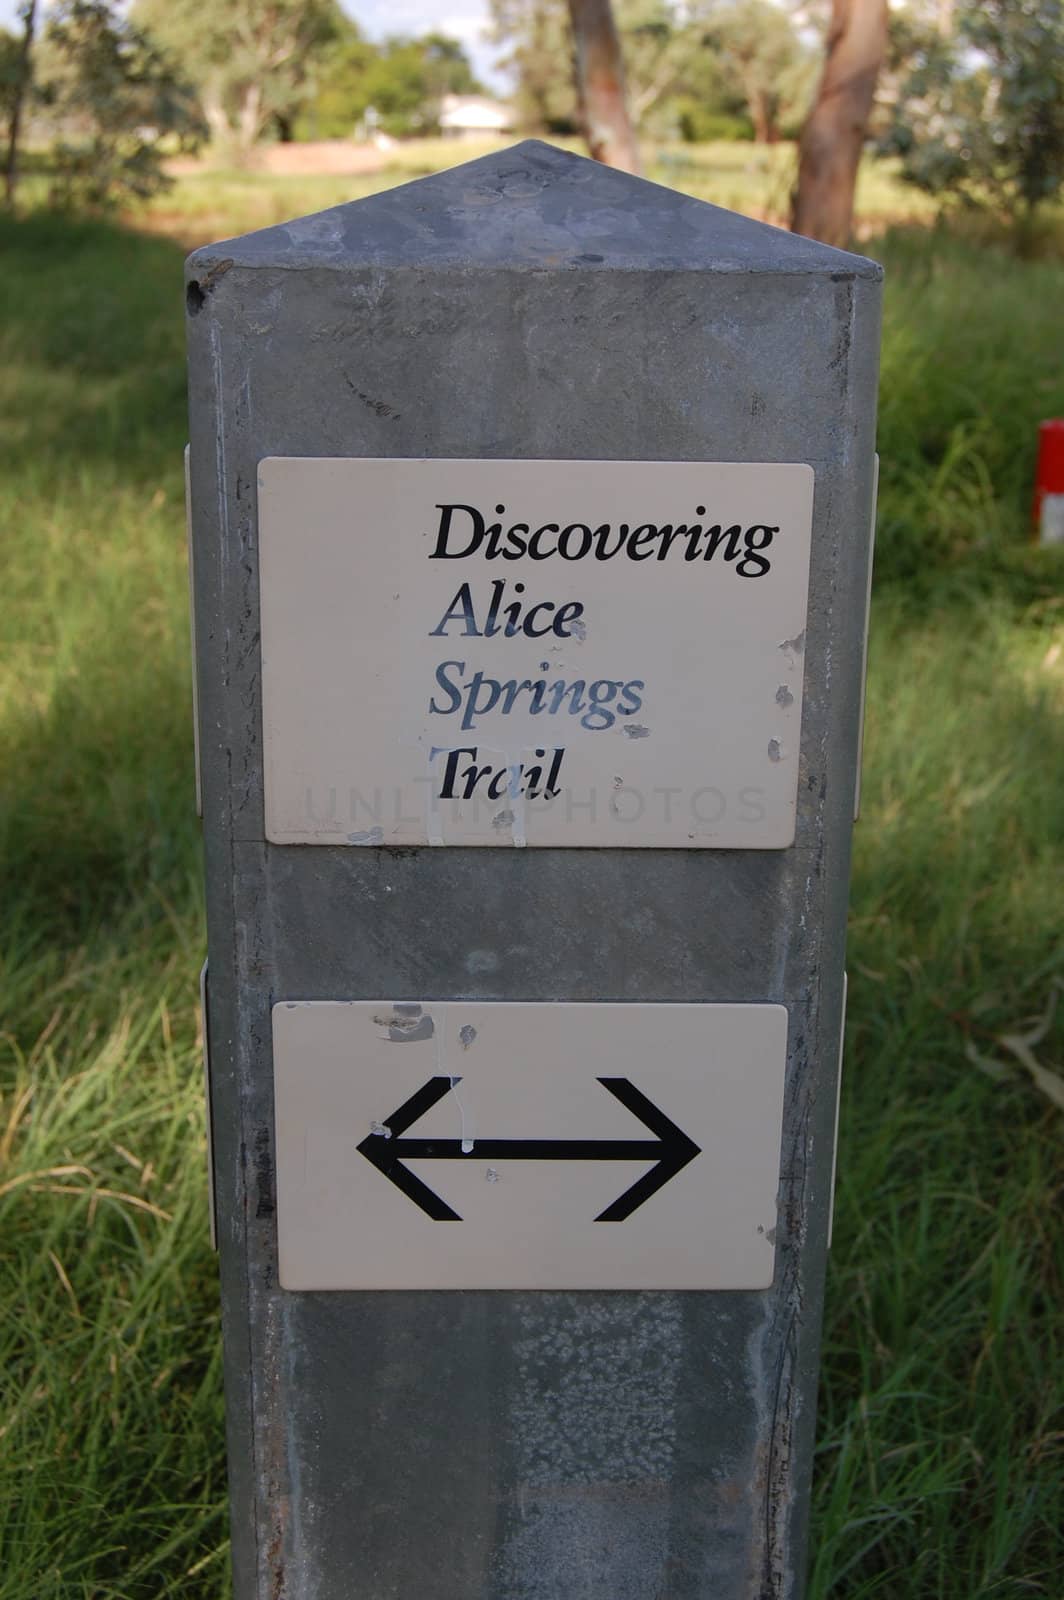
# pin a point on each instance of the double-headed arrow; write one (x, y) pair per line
(387, 1150)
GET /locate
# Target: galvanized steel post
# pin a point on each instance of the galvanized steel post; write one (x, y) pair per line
(527, 1442)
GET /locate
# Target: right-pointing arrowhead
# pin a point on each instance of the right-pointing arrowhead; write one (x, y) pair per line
(676, 1150)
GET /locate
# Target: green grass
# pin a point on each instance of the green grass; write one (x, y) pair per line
(112, 1478)
(756, 179)
(941, 1456)
(942, 1450)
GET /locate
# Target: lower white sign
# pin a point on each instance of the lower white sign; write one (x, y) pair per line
(524, 1145)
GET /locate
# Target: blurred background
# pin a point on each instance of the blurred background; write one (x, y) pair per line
(931, 135)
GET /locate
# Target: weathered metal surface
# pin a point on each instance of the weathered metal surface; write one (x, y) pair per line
(497, 1445)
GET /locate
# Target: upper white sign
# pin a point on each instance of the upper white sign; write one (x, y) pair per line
(533, 652)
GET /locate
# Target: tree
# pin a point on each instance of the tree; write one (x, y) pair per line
(337, 100)
(115, 100)
(536, 34)
(406, 83)
(600, 85)
(403, 82)
(832, 139)
(539, 35)
(658, 50)
(690, 66)
(980, 114)
(448, 70)
(759, 49)
(673, 75)
(251, 60)
(16, 67)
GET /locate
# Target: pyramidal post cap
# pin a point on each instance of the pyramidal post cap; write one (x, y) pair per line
(532, 207)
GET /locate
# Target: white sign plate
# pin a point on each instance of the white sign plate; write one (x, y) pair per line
(475, 1145)
(532, 652)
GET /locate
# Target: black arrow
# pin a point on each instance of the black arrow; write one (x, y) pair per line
(671, 1150)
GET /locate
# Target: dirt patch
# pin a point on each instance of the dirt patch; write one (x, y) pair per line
(332, 157)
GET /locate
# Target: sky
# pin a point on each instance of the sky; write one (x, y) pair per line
(465, 20)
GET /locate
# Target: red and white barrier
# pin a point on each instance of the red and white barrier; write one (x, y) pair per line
(1048, 508)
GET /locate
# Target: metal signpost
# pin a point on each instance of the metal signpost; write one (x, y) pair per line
(531, 511)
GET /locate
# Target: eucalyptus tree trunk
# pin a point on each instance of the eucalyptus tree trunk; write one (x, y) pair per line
(600, 85)
(18, 103)
(829, 150)
(215, 114)
(249, 117)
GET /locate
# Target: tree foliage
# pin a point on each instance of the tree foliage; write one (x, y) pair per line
(980, 110)
(253, 61)
(116, 102)
(691, 69)
(536, 37)
(398, 86)
(759, 52)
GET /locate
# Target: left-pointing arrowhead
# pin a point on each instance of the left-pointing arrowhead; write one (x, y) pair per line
(381, 1150)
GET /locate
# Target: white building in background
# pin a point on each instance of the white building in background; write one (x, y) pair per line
(474, 116)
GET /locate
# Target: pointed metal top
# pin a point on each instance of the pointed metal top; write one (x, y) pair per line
(531, 206)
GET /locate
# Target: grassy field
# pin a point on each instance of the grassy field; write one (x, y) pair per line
(756, 179)
(941, 1457)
